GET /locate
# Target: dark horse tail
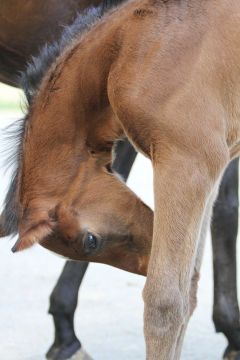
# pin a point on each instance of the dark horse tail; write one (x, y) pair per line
(2, 232)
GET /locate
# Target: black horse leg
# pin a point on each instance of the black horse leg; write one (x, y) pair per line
(63, 300)
(224, 234)
(125, 156)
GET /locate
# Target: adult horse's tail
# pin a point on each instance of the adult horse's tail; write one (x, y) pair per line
(2, 231)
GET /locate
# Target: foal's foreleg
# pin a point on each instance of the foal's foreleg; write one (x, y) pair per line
(196, 272)
(182, 185)
(224, 235)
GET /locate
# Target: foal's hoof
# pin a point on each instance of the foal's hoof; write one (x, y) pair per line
(231, 354)
(72, 351)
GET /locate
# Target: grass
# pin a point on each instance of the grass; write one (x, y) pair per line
(11, 99)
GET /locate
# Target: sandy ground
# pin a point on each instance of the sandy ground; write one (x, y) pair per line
(109, 316)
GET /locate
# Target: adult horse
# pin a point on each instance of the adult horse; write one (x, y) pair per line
(15, 51)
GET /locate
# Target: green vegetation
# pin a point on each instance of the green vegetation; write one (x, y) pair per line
(11, 99)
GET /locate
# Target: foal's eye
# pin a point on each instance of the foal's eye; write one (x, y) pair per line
(90, 242)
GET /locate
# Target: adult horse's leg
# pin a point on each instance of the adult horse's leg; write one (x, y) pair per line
(224, 234)
(125, 156)
(63, 300)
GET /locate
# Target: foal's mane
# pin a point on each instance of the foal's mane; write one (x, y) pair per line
(30, 81)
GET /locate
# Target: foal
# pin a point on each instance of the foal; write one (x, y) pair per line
(166, 74)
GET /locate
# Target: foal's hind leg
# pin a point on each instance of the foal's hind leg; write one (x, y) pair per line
(224, 234)
(63, 300)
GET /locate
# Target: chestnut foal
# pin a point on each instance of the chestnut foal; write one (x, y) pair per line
(165, 73)
(63, 300)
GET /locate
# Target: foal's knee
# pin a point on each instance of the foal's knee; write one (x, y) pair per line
(165, 309)
(169, 306)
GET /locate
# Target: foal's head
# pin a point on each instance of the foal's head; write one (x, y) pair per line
(64, 195)
(68, 200)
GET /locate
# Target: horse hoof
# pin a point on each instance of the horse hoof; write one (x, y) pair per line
(81, 355)
(231, 354)
(72, 351)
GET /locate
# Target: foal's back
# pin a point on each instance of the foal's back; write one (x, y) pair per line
(178, 49)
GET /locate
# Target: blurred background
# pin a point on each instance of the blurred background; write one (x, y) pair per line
(108, 320)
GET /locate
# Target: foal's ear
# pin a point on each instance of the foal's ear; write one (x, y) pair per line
(33, 232)
(35, 235)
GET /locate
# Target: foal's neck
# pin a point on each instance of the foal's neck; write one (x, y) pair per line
(76, 90)
(72, 117)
